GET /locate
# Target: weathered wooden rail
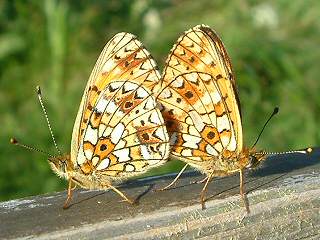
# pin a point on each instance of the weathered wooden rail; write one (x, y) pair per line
(284, 197)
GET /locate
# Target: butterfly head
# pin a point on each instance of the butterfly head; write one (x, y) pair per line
(61, 165)
(255, 158)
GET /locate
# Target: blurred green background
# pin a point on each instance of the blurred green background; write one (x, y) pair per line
(274, 46)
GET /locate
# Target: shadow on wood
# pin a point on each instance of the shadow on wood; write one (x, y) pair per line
(284, 197)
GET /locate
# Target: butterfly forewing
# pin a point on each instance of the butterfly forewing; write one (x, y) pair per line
(119, 128)
(199, 97)
(124, 57)
(198, 49)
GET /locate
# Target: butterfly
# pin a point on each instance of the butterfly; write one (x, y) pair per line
(201, 108)
(119, 131)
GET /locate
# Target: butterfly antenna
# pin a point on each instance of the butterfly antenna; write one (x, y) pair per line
(47, 119)
(307, 150)
(14, 141)
(275, 111)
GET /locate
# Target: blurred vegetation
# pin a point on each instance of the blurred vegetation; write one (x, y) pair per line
(274, 46)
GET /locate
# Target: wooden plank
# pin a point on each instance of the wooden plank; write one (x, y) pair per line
(284, 198)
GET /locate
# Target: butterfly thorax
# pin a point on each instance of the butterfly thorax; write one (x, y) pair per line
(64, 168)
(248, 158)
(230, 162)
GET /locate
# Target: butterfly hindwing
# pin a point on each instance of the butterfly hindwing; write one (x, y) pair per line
(197, 117)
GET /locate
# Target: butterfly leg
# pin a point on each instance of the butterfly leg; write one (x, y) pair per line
(204, 190)
(70, 189)
(174, 180)
(243, 193)
(125, 198)
(75, 186)
(200, 181)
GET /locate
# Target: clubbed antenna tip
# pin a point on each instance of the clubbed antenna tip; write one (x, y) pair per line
(13, 140)
(309, 150)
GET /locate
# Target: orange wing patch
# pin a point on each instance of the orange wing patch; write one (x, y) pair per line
(199, 49)
(128, 135)
(124, 57)
(200, 125)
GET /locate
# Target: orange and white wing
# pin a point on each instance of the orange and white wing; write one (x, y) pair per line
(198, 49)
(205, 97)
(118, 127)
(198, 119)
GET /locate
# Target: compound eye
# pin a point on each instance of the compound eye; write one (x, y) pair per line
(252, 161)
(63, 166)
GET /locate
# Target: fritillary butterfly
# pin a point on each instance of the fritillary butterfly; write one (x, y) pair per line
(119, 132)
(201, 108)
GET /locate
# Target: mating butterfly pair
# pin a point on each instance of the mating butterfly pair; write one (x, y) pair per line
(131, 119)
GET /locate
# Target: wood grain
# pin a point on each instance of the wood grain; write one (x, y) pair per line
(284, 198)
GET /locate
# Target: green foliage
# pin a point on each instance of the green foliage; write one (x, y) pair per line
(274, 48)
